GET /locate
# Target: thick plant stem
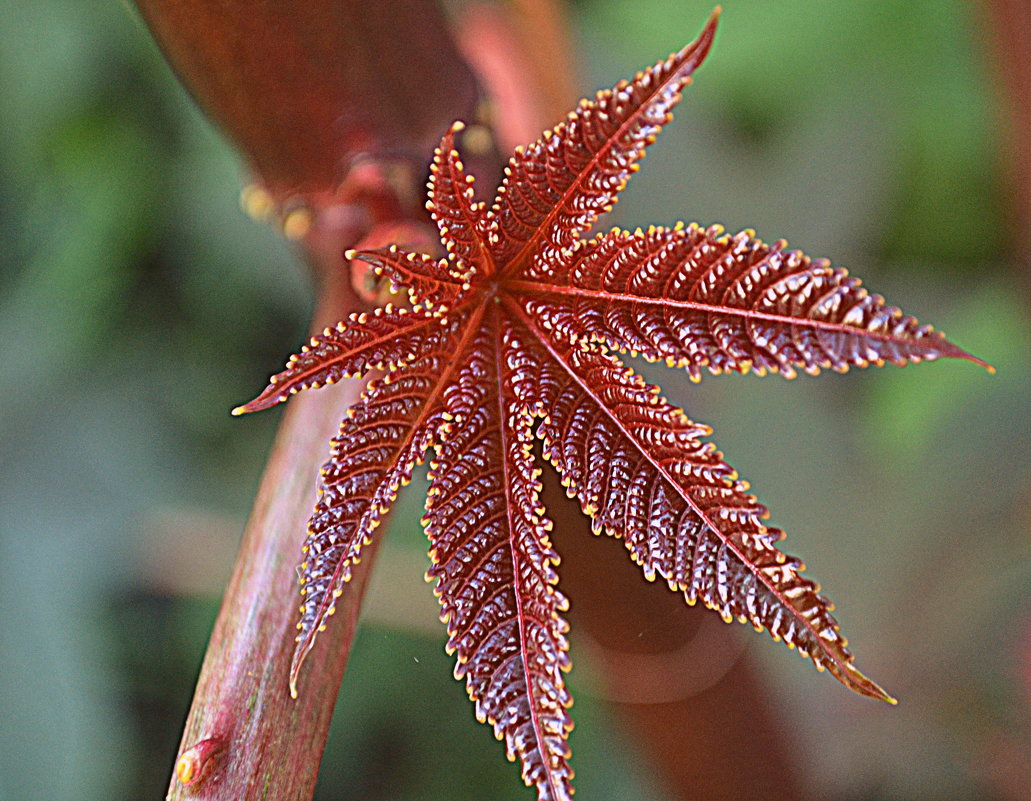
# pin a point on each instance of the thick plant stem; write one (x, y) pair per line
(245, 738)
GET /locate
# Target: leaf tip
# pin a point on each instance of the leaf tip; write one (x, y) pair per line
(990, 368)
(860, 683)
(956, 352)
(271, 396)
(295, 669)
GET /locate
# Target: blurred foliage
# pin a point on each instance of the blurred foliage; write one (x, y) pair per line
(137, 305)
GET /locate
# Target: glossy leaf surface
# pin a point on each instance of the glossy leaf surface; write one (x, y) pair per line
(525, 321)
(494, 568)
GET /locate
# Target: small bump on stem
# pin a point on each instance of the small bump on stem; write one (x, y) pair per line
(197, 761)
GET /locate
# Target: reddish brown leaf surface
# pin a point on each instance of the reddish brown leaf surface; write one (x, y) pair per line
(493, 564)
(382, 439)
(523, 321)
(642, 472)
(700, 298)
(558, 186)
(377, 341)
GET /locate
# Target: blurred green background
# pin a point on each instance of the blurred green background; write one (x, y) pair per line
(138, 305)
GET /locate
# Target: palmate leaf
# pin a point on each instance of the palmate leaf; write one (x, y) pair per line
(523, 321)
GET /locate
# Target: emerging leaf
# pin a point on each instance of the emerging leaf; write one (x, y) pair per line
(524, 320)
